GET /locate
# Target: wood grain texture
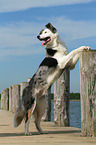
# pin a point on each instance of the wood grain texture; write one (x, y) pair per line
(88, 92)
(61, 99)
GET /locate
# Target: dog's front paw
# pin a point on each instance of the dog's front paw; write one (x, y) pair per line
(86, 48)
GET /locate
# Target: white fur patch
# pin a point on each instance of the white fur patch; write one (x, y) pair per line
(51, 78)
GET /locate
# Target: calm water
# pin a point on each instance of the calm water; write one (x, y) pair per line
(75, 114)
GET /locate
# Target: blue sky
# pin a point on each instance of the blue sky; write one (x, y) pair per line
(22, 20)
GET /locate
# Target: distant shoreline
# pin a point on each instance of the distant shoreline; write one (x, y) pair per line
(74, 100)
(73, 96)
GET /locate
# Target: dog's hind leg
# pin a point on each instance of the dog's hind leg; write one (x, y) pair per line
(39, 112)
(27, 125)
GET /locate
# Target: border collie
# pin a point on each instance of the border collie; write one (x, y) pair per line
(57, 59)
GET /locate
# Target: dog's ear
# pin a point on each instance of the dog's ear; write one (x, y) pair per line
(49, 26)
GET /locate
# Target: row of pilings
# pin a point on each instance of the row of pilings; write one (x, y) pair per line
(11, 96)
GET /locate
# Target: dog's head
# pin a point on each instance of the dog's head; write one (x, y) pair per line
(48, 35)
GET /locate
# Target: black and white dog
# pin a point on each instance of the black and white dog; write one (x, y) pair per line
(57, 58)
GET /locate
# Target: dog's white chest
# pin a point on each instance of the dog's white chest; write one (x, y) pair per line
(58, 56)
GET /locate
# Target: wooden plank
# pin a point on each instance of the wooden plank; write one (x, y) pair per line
(57, 135)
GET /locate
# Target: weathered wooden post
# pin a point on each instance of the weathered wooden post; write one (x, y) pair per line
(10, 99)
(47, 114)
(2, 99)
(15, 97)
(23, 85)
(5, 99)
(61, 99)
(88, 92)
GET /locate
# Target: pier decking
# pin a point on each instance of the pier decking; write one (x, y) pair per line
(56, 136)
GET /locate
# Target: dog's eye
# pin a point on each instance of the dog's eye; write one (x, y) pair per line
(45, 31)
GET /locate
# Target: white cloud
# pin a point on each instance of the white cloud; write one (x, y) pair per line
(18, 52)
(16, 35)
(17, 5)
(20, 38)
(75, 29)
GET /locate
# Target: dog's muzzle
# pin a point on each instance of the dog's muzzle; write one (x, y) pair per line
(45, 40)
(38, 37)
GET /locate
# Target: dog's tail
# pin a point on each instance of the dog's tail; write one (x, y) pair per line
(19, 115)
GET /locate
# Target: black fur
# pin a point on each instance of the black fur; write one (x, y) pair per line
(49, 26)
(50, 62)
(41, 31)
(51, 52)
(26, 117)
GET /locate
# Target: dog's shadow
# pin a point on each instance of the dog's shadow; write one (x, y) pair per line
(37, 133)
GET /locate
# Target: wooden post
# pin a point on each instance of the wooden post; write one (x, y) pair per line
(23, 85)
(47, 114)
(5, 99)
(88, 92)
(61, 99)
(10, 99)
(2, 99)
(15, 97)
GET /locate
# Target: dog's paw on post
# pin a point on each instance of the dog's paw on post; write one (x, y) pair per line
(87, 48)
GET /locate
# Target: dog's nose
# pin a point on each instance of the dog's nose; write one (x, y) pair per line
(38, 37)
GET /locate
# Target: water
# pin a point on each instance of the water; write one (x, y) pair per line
(75, 113)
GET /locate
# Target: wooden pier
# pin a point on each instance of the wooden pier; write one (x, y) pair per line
(56, 136)
(11, 96)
